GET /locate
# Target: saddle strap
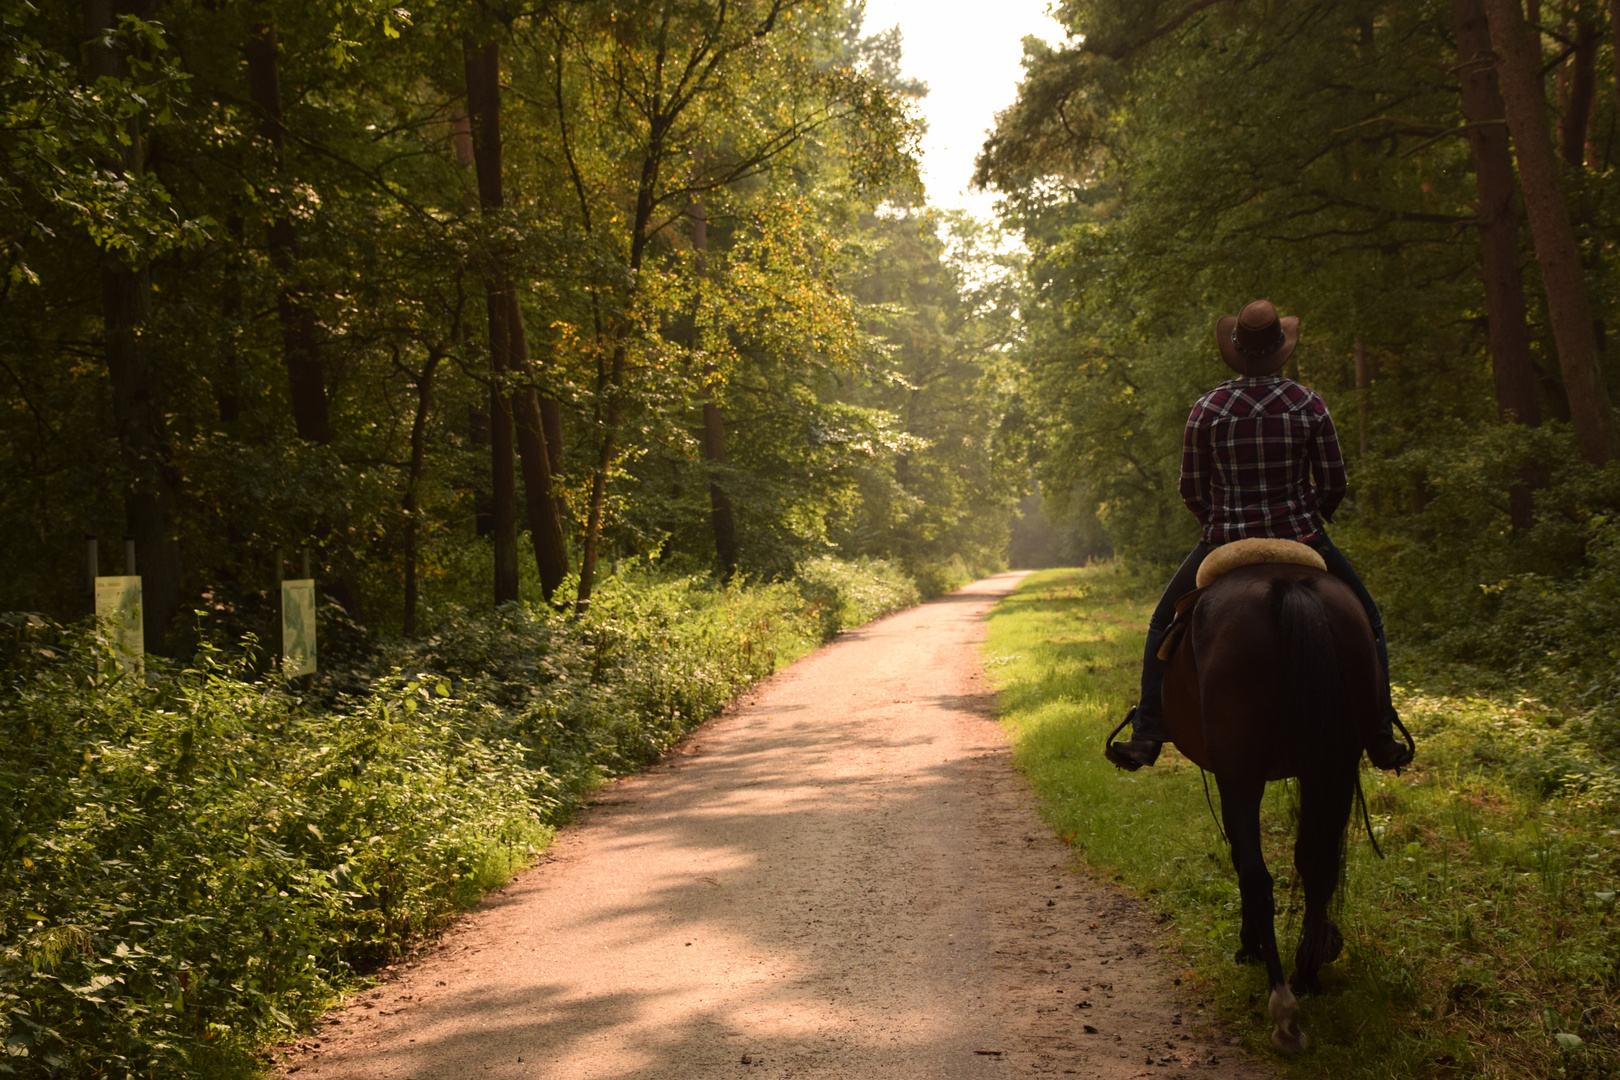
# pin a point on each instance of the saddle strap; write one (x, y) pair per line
(1178, 626)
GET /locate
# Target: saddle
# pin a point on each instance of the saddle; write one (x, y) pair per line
(1229, 557)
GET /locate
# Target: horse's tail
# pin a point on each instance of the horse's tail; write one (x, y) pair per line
(1318, 711)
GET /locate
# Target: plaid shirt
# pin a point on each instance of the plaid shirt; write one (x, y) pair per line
(1260, 458)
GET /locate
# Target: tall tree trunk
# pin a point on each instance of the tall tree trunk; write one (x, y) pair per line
(545, 527)
(228, 384)
(503, 469)
(153, 483)
(721, 517)
(1517, 397)
(720, 512)
(1518, 51)
(1364, 413)
(306, 378)
(1363, 389)
(551, 421)
(609, 381)
(1577, 115)
(482, 63)
(509, 358)
(424, 402)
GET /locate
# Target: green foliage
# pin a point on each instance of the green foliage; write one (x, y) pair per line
(200, 859)
(196, 862)
(788, 131)
(1173, 162)
(840, 595)
(1486, 932)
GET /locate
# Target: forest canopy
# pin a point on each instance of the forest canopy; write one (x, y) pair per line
(458, 296)
(1430, 188)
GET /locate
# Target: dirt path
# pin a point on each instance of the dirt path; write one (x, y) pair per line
(841, 876)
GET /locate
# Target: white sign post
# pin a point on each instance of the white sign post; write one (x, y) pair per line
(298, 627)
(119, 600)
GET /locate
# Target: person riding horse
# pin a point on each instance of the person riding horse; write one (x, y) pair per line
(1260, 458)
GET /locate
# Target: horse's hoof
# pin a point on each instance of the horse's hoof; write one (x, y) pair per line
(1289, 1044)
(1246, 955)
(1286, 1036)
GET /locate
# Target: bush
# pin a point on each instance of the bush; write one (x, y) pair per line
(845, 594)
(197, 860)
(1534, 614)
(938, 578)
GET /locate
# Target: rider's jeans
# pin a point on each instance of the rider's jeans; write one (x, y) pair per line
(1149, 723)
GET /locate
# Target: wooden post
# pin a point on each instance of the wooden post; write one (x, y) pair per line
(307, 575)
(129, 557)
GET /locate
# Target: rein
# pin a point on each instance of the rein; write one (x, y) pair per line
(1361, 800)
(1211, 804)
(1366, 819)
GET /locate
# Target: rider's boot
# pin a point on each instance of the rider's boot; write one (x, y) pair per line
(1148, 735)
(1384, 750)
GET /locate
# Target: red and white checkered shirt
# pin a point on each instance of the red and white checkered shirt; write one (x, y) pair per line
(1261, 458)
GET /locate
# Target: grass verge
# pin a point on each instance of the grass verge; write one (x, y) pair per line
(1484, 945)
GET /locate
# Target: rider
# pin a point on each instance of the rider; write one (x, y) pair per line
(1259, 459)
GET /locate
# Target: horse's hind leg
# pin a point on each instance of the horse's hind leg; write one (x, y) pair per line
(1240, 813)
(1324, 809)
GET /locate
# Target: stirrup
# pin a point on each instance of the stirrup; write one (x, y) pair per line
(1133, 753)
(1116, 753)
(1397, 755)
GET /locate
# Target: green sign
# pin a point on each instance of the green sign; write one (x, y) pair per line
(118, 600)
(298, 627)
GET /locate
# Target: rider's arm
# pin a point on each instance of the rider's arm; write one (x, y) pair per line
(1197, 464)
(1327, 465)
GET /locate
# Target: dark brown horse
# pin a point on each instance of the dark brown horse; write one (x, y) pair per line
(1276, 677)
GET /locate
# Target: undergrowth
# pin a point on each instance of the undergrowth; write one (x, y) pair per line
(1483, 945)
(197, 861)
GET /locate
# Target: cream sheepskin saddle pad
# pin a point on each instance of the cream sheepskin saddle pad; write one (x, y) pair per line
(1247, 552)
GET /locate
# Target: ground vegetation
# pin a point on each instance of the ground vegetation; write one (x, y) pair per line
(1481, 944)
(200, 861)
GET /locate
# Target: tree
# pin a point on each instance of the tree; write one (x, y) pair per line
(137, 376)
(300, 349)
(509, 359)
(675, 74)
(1518, 66)
(1517, 398)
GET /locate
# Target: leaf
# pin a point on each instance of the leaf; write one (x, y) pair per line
(1569, 1041)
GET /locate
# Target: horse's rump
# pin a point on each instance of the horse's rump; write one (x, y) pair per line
(1278, 674)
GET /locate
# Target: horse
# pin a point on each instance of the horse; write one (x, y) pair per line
(1276, 675)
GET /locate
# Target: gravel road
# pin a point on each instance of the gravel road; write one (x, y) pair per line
(841, 876)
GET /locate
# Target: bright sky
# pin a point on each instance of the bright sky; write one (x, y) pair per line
(968, 53)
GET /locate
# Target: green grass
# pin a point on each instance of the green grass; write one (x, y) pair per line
(1489, 929)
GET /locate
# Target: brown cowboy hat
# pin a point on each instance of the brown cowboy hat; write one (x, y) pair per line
(1255, 341)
